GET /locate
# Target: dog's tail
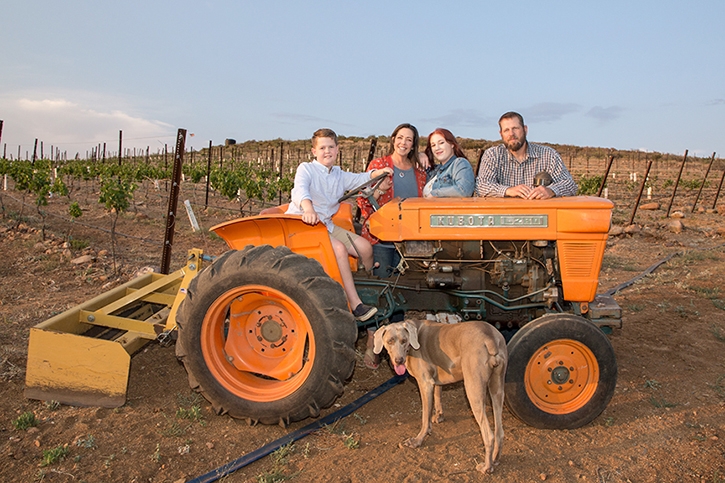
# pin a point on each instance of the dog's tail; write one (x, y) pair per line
(494, 357)
(495, 360)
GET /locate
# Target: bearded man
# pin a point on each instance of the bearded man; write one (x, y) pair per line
(510, 169)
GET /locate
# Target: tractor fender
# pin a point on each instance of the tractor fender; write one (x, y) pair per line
(312, 241)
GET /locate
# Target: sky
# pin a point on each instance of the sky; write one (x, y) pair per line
(642, 74)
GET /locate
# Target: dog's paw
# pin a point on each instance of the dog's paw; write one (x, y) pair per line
(437, 418)
(410, 443)
(483, 468)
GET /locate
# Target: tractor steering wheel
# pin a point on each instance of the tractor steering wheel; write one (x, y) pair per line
(373, 183)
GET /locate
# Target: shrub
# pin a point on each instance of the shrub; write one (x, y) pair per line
(25, 421)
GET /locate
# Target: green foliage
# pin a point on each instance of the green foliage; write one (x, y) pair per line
(350, 441)
(88, 442)
(589, 185)
(22, 174)
(719, 386)
(116, 194)
(196, 173)
(58, 187)
(244, 184)
(78, 244)
(718, 333)
(692, 184)
(661, 402)
(74, 210)
(156, 456)
(652, 384)
(193, 413)
(54, 455)
(25, 421)
(280, 459)
(53, 405)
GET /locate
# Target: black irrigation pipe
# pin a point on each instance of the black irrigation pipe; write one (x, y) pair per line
(269, 448)
(651, 269)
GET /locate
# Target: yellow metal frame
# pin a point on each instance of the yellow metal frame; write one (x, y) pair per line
(83, 355)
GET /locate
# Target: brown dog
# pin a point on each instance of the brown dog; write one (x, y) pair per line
(437, 354)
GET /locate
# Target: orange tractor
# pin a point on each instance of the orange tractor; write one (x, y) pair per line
(265, 332)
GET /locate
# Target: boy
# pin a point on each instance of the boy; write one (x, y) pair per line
(318, 185)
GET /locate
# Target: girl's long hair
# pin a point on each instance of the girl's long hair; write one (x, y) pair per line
(450, 139)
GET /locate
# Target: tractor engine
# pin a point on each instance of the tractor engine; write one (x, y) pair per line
(505, 282)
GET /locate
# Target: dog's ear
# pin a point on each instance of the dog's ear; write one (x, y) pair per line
(378, 340)
(412, 334)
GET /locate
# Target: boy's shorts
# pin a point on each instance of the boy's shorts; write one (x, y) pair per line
(344, 236)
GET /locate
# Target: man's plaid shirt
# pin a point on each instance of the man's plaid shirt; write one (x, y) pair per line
(500, 170)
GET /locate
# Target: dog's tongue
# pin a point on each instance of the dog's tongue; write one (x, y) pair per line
(400, 370)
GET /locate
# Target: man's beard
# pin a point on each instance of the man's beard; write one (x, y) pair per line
(515, 145)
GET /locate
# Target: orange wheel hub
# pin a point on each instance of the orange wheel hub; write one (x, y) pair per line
(257, 343)
(562, 376)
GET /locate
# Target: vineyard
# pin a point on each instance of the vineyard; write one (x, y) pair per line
(73, 228)
(255, 174)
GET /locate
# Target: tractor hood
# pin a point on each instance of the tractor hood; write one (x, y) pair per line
(492, 219)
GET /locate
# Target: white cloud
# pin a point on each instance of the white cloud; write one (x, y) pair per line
(605, 114)
(73, 125)
(549, 111)
(463, 117)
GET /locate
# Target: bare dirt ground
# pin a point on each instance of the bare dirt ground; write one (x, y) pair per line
(666, 421)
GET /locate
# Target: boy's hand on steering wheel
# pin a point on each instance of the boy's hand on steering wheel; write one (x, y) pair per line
(378, 172)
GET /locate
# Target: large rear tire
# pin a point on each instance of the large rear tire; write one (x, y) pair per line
(265, 335)
(561, 373)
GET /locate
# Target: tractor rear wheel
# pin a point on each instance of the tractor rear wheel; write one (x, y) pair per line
(561, 372)
(266, 335)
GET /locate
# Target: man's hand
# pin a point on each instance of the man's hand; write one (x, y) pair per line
(529, 192)
(541, 193)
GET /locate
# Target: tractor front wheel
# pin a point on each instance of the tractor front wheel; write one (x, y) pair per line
(265, 335)
(561, 372)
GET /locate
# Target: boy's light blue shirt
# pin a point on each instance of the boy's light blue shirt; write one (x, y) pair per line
(323, 186)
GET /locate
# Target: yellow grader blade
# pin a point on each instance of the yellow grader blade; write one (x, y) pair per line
(82, 357)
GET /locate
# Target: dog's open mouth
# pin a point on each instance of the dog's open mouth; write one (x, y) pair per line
(400, 370)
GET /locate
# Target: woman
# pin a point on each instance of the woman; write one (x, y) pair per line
(453, 177)
(407, 181)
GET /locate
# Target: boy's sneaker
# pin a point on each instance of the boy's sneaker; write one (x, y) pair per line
(363, 312)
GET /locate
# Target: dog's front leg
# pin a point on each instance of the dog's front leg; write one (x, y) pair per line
(426, 396)
(438, 407)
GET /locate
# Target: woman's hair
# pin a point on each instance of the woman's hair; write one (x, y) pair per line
(450, 139)
(413, 154)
